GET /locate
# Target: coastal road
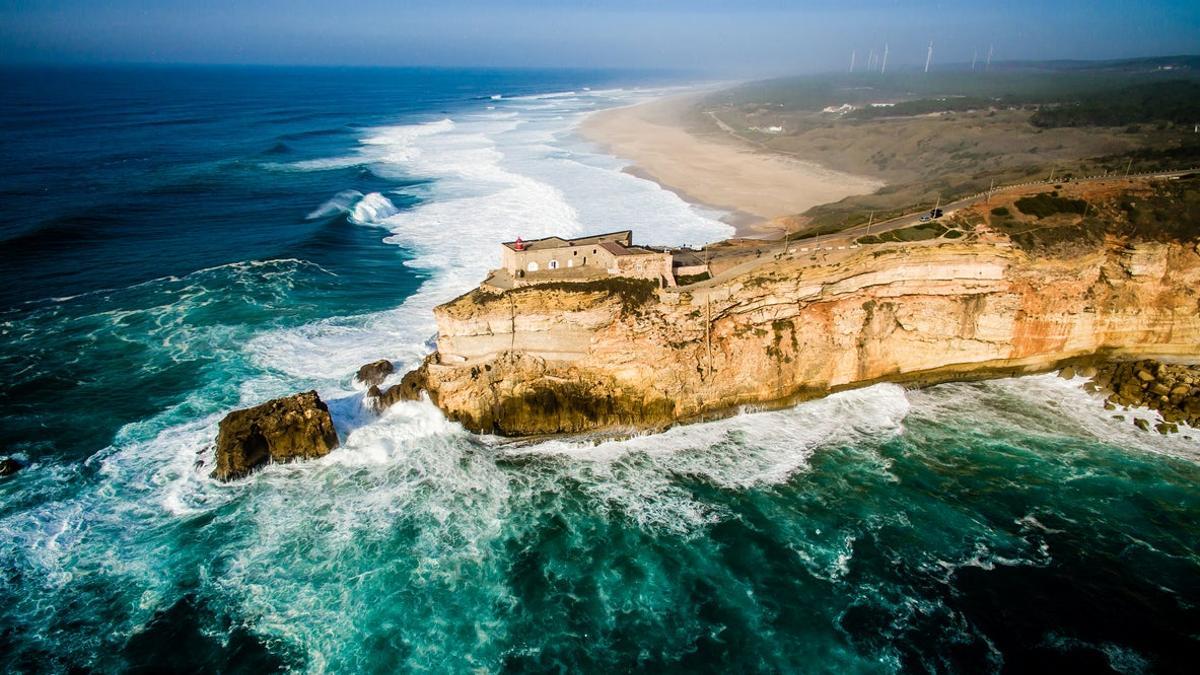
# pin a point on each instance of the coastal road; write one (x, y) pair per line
(901, 222)
(740, 259)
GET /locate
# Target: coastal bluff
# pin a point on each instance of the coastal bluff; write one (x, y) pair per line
(626, 355)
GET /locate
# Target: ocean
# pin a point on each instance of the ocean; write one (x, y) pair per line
(176, 242)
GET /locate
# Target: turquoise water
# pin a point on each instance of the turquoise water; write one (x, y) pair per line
(280, 228)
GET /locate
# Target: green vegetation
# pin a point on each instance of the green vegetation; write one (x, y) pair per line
(633, 293)
(926, 106)
(685, 279)
(1004, 127)
(1048, 204)
(1170, 213)
(1177, 102)
(1000, 211)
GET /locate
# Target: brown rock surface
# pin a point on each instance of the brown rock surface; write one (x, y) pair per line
(281, 430)
(1169, 391)
(555, 359)
(375, 372)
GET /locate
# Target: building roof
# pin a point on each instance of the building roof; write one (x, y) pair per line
(558, 242)
(685, 256)
(616, 248)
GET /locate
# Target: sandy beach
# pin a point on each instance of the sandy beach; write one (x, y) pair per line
(718, 170)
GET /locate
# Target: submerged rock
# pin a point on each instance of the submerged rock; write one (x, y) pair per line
(375, 372)
(281, 430)
(9, 466)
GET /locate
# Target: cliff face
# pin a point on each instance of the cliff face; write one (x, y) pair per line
(553, 360)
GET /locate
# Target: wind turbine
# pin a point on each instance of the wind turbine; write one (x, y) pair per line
(883, 68)
(989, 59)
(929, 56)
(853, 53)
(974, 58)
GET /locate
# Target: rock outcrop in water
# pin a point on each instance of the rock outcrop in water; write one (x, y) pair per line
(374, 373)
(1172, 390)
(556, 359)
(9, 466)
(281, 430)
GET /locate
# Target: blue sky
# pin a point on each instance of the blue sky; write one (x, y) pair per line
(751, 36)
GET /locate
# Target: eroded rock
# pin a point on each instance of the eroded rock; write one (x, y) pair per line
(281, 430)
(9, 466)
(1171, 390)
(564, 358)
(376, 372)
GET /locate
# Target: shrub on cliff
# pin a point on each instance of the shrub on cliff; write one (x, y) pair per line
(633, 293)
(1048, 204)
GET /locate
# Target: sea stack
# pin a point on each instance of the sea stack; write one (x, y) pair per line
(281, 430)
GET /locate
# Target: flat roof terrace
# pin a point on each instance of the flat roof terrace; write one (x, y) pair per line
(546, 243)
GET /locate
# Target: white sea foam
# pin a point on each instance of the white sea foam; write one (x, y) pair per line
(342, 202)
(457, 498)
(1050, 405)
(495, 176)
(373, 208)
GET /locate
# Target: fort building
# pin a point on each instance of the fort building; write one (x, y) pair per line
(609, 254)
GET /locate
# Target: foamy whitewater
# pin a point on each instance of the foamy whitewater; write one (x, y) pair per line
(965, 527)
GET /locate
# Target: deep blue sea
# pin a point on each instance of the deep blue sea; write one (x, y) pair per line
(176, 242)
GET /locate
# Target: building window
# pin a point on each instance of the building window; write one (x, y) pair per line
(574, 252)
(553, 264)
(570, 262)
(532, 267)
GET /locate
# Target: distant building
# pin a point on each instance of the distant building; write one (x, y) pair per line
(612, 253)
(838, 109)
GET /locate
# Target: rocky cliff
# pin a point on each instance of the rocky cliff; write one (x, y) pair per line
(563, 359)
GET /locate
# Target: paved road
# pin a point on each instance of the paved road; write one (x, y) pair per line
(908, 220)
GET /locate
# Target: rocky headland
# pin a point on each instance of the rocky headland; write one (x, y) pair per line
(1027, 284)
(1098, 280)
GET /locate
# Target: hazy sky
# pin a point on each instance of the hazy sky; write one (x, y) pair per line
(719, 36)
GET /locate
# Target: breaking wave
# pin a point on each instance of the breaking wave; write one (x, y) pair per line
(870, 530)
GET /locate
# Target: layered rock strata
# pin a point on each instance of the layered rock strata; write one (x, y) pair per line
(556, 359)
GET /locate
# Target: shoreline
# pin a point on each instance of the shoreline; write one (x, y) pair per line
(754, 186)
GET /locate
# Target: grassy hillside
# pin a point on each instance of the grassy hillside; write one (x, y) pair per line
(949, 134)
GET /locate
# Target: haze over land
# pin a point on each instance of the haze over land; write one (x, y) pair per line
(757, 37)
(263, 331)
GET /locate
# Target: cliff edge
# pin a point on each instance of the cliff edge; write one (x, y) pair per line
(1026, 283)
